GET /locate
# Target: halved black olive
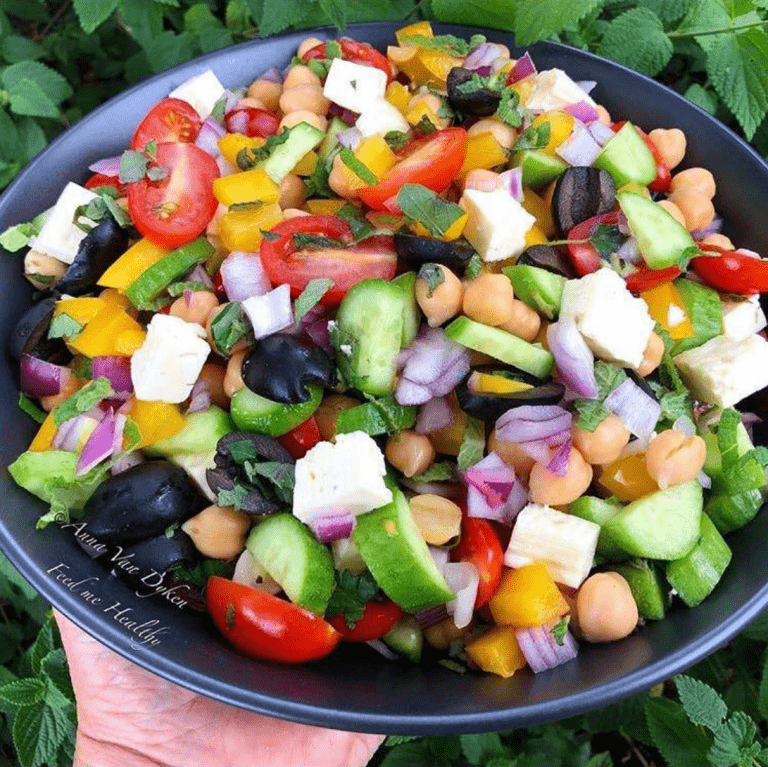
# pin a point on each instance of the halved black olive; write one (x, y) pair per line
(157, 555)
(279, 367)
(415, 250)
(228, 471)
(140, 503)
(30, 336)
(470, 100)
(642, 383)
(581, 193)
(99, 250)
(546, 257)
(490, 407)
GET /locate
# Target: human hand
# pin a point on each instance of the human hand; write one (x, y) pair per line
(128, 717)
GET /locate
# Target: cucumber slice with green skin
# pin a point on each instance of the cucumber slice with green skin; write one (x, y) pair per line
(627, 158)
(713, 463)
(539, 168)
(293, 557)
(599, 511)
(501, 345)
(369, 329)
(374, 420)
(395, 552)
(411, 313)
(695, 575)
(331, 139)
(406, 638)
(662, 525)
(648, 588)
(540, 289)
(251, 412)
(705, 311)
(200, 434)
(661, 239)
(302, 138)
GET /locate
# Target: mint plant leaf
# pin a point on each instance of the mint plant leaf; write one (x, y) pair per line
(92, 14)
(637, 39)
(28, 98)
(408, 755)
(50, 82)
(481, 13)
(336, 12)
(539, 21)
(680, 742)
(701, 703)
(278, 15)
(479, 749)
(734, 741)
(669, 11)
(23, 692)
(56, 669)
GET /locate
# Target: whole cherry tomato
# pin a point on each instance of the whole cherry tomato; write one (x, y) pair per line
(170, 120)
(480, 545)
(251, 121)
(378, 618)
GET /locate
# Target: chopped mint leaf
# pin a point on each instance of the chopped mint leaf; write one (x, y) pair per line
(433, 275)
(228, 327)
(437, 472)
(17, 237)
(591, 413)
(241, 451)
(453, 46)
(360, 225)
(350, 595)
(177, 288)
(606, 240)
(219, 109)
(302, 240)
(474, 265)
(317, 183)
(133, 166)
(508, 110)
(396, 139)
(233, 497)
(559, 630)
(310, 296)
(282, 476)
(250, 157)
(157, 173)
(534, 137)
(425, 206)
(425, 126)
(82, 401)
(359, 168)
(31, 409)
(473, 444)
(63, 326)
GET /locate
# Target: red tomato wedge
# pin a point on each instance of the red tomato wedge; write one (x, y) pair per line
(481, 546)
(731, 271)
(176, 209)
(584, 256)
(170, 120)
(433, 161)
(358, 53)
(346, 265)
(99, 179)
(265, 626)
(378, 618)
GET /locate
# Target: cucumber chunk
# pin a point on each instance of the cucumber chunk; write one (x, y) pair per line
(302, 138)
(406, 638)
(627, 158)
(648, 588)
(599, 511)
(251, 412)
(293, 557)
(540, 289)
(374, 418)
(200, 434)
(539, 168)
(411, 313)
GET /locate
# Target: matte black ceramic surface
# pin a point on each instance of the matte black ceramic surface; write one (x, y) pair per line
(355, 689)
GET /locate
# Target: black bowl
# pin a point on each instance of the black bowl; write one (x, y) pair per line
(355, 689)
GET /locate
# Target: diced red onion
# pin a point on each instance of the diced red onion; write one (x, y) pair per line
(125, 462)
(600, 132)
(99, 445)
(463, 579)
(198, 274)
(208, 138)
(530, 423)
(434, 414)
(109, 166)
(573, 358)
(622, 224)
(270, 312)
(199, 397)
(511, 181)
(117, 438)
(116, 369)
(629, 251)
(42, 379)
(188, 296)
(580, 148)
(431, 616)
(382, 649)
(243, 276)
(482, 56)
(249, 572)
(273, 75)
(237, 121)
(560, 460)
(318, 331)
(483, 71)
(704, 480)
(233, 96)
(583, 111)
(345, 115)
(714, 227)
(73, 431)
(350, 138)
(587, 85)
(332, 527)
(638, 411)
(524, 67)
(489, 476)
(542, 651)
(498, 63)
(439, 556)
(450, 490)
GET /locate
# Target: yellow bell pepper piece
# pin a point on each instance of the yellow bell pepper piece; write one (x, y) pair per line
(135, 261)
(306, 165)
(627, 478)
(420, 111)
(421, 28)
(541, 211)
(487, 383)
(453, 232)
(525, 88)
(448, 439)
(527, 597)
(438, 65)
(423, 66)
(398, 95)
(44, 436)
(483, 151)
(667, 307)
(376, 155)
(82, 310)
(231, 144)
(249, 186)
(156, 421)
(560, 127)
(320, 207)
(497, 652)
(241, 229)
(635, 188)
(110, 332)
(535, 236)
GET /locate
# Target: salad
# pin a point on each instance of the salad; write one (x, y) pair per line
(424, 350)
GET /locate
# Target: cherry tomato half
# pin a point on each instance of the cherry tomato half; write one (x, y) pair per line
(432, 161)
(301, 439)
(731, 271)
(584, 256)
(358, 53)
(251, 121)
(176, 209)
(378, 618)
(346, 266)
(170, 120)
(480, 545)
(99, 179)
(265, 626)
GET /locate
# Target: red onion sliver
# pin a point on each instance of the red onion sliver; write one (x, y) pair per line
(125, 462)
(116, 369)
(583, 111)
(72, 432)
(199, 397)
(208, 137)
(249, 572)
(382, 649)
(638, 411)
(42, 379)
(600, 132)
(433, 415)
(450, 490)
(530, 423)
(482, 56)
(463, 579)
(237, 122)
(117, 440)
(629, 251)
(497, 478)
(524, 67)
(99, 445)
(483, 71)
(273, 75)
(109, 166)
(714, 228)
(559, 463)
(332, 528)
(198, 274)
(542, 651)
(439, 556)
(350, 138)
(431, 616)
(573, 358)
(243, 276)
(580, 148)
(511, 181)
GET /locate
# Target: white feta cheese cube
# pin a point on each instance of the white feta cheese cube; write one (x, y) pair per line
(497, 223)
(201, 91)
(742, 317)
(564, 543)
(165, 367)
(196, 465)
(270, 312)
(59, 237)
(723, 371)
(615, 324)
(346, 476)
(354, 86)
(381, 117)
(554, 90)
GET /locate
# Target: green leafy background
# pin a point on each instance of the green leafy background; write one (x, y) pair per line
(61, 58)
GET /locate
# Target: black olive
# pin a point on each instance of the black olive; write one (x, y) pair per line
(279, 367)
(99, 249)
(642, 383)
(546, 257)
(581, 193)
(30, 336)
(470, 100)
(140, 503)
(228, 471)
(415, 250)
(490, 407)
(155, 555)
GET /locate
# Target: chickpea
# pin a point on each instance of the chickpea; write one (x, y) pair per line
(37, 265)
(606, 608)
(432, 102)
(488, 299)
(652, 355)
(481, 179)
(304, 116)
(300, 75)
(605, 443)
(267, 92)
(197, 308)
(505, 134)
(673, 458)
(309, 97)
(513, 455)
(329, 409)
(218, 532)
(442, 634)
(307, 44)
(670, 143)
(720, 240)
(673, 210)
(250, 101)
(71, 385)
(410, 452)
(441, 302)
(213, 374)
(233, 378)
(524, 323)
(603, 116)
(550, 489)
(292, 192)
(340, 180)
(695, 206)
(438, 519)
(294, 213)
(695, 178)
